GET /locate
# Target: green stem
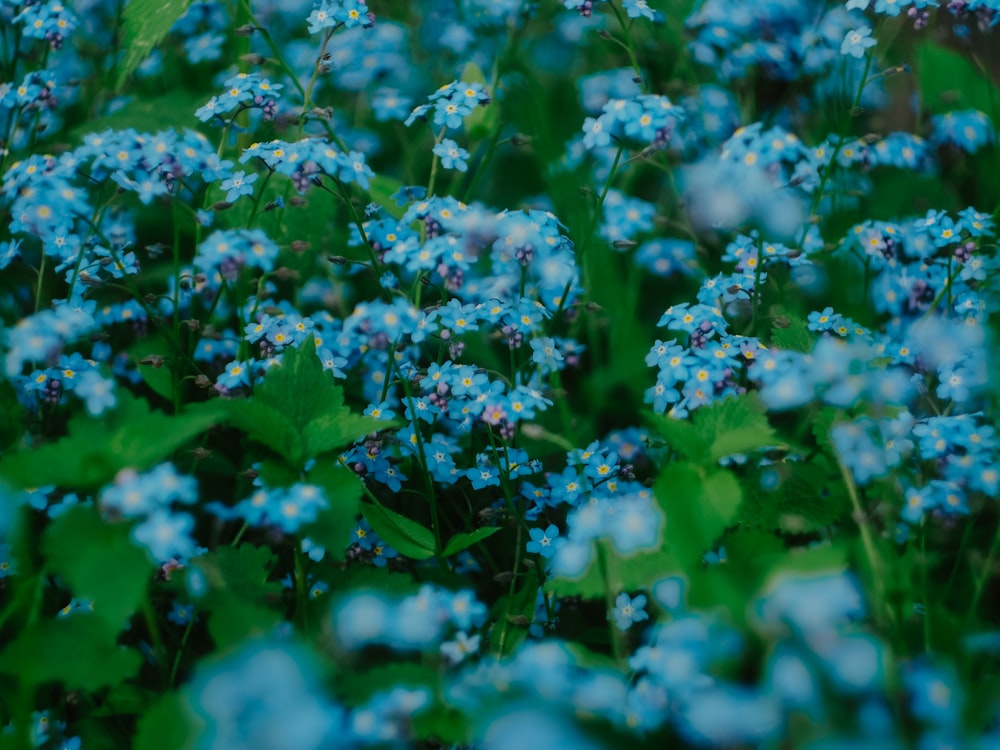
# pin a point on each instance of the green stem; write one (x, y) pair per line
(883, 613)
(614, 634)
(982, 580)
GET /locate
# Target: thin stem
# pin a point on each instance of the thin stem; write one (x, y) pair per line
(986, 575)
(882, 612)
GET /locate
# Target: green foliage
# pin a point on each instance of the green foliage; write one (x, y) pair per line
(950, 81)
(131, 436)
(409, 537)
(792, 334)
(334, 526)
(720, 429)
(240, 602)
(297, 411)
(145, 23)
(699, 505)
(78, 651)
(809, 497)
(167, 724)
(466, 539)
(99, 562)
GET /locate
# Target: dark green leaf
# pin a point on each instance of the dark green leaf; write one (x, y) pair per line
(793, 336)
(234, 619)
(683, 437)
(96, 449)
(267, 425)
(466, 539)
(734, 425)
(408, 537)
(145, 23)
(699, 507)
(170, 723)
(334, 526)
(333, 430)
(949, 81)
(99, 562)
(243, 571)
(298, 411)
(78, 651)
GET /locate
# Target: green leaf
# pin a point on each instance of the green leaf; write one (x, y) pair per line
(734, 425)
(145, 23)
(333, 430)
(265, 424)
(234, 620)
(243, 572)
(949, 81)
(699, 507)
(175, 109)
(737, 424)
(298, 411)
(504, 636)
(466, 539)
(99, 562)
(334, 526)
(79, 651)
(682, 436)
(381, 189)
(131, 436)
(159, 379)
(11, 414)
(170, 723)
(408, 537)
(794, 335)
(239, 593)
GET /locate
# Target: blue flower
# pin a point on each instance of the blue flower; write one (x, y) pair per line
(239, 184)
(541, 541)
(452, 155)
(628, 610)
(857, 41)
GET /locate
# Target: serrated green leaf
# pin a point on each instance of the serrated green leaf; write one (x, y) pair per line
(299, 387)
(466, 539)
(169, 723)
(99, 562)
(333, 430)
(444, 725)
(734, 425)
(682, 436)
(243, 571)
(408, 537)
(298, 411)
(334, 526)
(78, 651)
(234, 619)
(794, 336)
(145, 23)
(130, 436)
(699, 507)
(267, 425)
